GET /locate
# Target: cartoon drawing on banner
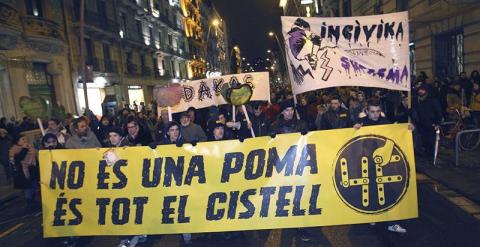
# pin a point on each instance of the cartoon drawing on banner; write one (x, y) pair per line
(366, 51)
(167, 95)
(371, 174)
(305, 46)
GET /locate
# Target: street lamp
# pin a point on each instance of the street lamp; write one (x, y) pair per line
(269, 51)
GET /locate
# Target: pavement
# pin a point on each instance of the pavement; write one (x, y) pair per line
(463, 179)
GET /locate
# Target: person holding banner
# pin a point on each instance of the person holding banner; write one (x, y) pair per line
(173, 135)
(372, 118)
(218, 132)
(190, 131)
(287, 122)
(137, 135)
(116, 139)
(335, 117)
(260, 124)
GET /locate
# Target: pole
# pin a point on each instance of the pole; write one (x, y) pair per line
(82, 52)
(280, 47)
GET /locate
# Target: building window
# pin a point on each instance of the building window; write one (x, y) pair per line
(170, 40)
(173, 69)
(106, 58)
(89, 48)
(449, 53)
(123, 25)
(142, 61)
(150, 33)
(378, 7)
(102, 12)
(402, 5)
(413, 63)
(347, 8)
(34, 7)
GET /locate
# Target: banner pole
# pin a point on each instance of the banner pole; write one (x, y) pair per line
(169, 108)
(40, 124)
(234, 117)
(296, 103)
(248, 120)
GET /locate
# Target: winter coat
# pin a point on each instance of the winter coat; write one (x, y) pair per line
(25, 166)
(88, 141)
(338, 119)
(193, 132)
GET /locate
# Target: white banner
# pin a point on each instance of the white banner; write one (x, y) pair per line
(367, 51)
(234, 89)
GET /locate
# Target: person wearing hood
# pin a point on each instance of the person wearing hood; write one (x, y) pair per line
(82, 136)
(103, 129)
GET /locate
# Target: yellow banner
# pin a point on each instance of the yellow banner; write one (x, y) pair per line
(324, 178)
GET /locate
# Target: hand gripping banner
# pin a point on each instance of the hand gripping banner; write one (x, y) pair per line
(323, 178)
(367, 51)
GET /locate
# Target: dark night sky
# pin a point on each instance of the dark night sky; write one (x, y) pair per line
(249, 22)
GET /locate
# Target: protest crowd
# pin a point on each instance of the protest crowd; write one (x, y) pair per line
(433, 101)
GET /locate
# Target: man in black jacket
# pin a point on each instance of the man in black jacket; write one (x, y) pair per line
(137, 136)
(288, 123)
(374, 117)
(335, 117)
(259, 121)
(429, 115)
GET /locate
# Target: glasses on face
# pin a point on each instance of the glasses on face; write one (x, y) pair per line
(131, 127)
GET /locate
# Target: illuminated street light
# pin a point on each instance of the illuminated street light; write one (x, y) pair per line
(271, 34)
(268, 59)
(269, 51)
(236, 48)
(215, 22)
(243, 58)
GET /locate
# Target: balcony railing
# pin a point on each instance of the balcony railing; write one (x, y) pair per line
(94, 19)
(165, 76)
(39, 27)
(146, 71)
(9, 17)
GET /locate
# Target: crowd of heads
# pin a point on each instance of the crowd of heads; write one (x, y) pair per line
(220, 123)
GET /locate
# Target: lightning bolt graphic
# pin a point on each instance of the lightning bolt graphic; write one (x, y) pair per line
(324, 65)
(299, 73)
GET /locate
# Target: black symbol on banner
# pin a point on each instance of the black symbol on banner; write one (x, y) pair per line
(371, 174)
